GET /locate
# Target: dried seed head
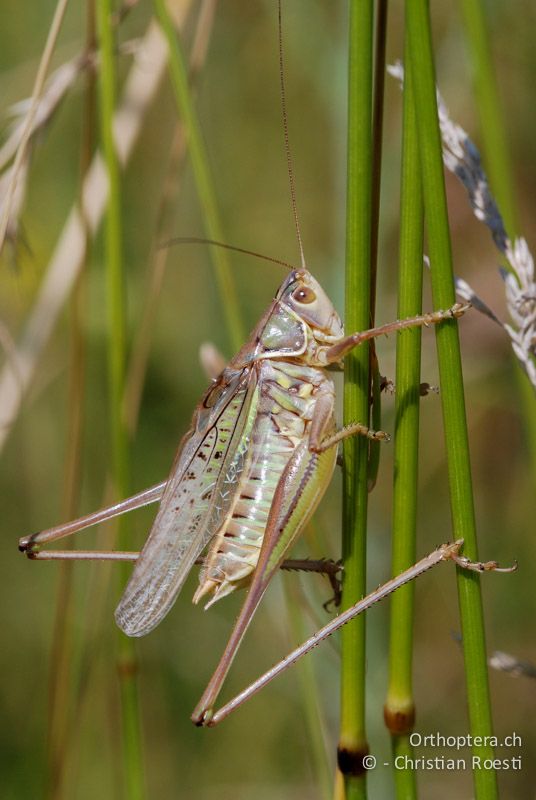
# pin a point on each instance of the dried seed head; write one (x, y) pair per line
(462, 158)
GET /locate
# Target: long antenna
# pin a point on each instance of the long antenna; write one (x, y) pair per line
(199, 240)
(287, 142)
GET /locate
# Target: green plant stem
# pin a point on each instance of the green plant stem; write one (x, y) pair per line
(203, 177)
(452, 394)
(377, 130)
(352, 739)
(115, 290)
(399, 710)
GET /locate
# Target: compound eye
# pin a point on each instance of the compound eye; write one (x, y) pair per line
(304, 295)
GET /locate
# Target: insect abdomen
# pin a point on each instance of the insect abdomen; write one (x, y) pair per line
(283, 416)
(235, 550)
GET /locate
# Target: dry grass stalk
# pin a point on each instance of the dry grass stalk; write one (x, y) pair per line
(142, 84)
(21, 155)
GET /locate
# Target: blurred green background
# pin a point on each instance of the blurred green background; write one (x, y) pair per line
(263, 750)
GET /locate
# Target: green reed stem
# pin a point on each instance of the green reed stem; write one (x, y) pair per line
(116, 291)
(352, 739)
(399, 710)
(203, 177)
(377, 130)
(452, 393)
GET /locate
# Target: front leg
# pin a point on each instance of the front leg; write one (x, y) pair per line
(336, 352)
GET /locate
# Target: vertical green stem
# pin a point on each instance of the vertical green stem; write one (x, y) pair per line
(115, 290)
(377, 130)
(399, 711)
(203, 177)
(452, 393)
(352, 740)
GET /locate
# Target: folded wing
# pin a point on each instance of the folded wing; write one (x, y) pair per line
(201, 489)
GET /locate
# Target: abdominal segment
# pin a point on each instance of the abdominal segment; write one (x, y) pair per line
(235, 549)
